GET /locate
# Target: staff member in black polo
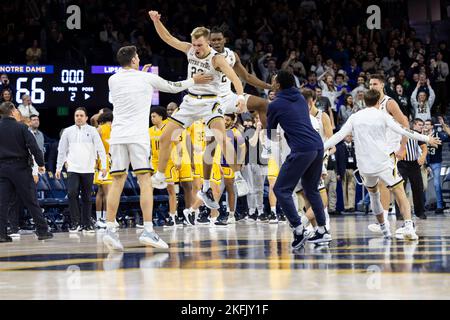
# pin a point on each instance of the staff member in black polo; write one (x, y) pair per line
(16, 144)
(409, 168)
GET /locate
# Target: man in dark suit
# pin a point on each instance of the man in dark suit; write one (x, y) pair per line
(16, 147)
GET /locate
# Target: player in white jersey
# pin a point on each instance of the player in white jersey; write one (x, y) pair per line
(201, 102)
(131, 92)
(322, 124)
(369, 130)
(228, 100)
(396, 143)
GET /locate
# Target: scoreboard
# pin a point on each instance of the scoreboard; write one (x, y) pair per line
(55, 86)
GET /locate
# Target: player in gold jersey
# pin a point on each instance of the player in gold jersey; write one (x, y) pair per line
(103, 182)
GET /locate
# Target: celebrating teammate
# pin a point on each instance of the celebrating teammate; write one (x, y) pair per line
(369, 130)
(131, 90)
(201, 102)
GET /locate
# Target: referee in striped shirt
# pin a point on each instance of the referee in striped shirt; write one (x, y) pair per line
(409, 168)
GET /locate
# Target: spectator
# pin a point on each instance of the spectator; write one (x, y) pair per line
(422, 104)
(108, 34)
(34, 53)
(403, 101)
(324, 104)
(294, 62)
(26, 108)
(353, 71)
(434, 157)
(245, 46)
(79, 147)
(34, 128)
(319, 68)
(359, 102)
(401, 79)
(361, 86)
(330, 91)
(5, 83)
(370, 65)
(6, 96)
(391, 63)
(346, 111)
(345, 152)
(312, 81)
(439, 70)
(267, 67)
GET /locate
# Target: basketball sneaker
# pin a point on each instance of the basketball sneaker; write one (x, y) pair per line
(111, 240)
(385, 228)
(299, 239)
(75, 228)
(409, 233)
(88, 229)
(222, 220)
(152, 239)
(169, 223)
(189, 217)
(208, 198)
(273, 218)
(100, 224)
(253, 217)
(203, 218)
(263, 217)
(231, 218)
(44, 235)
(320, 238)
(401, 230)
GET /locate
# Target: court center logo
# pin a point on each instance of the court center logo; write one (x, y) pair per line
(74, 20)
(374, 20)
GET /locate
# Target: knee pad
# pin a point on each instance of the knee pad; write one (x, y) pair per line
(375, 203)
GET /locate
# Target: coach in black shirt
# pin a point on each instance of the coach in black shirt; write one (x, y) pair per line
(16, 144)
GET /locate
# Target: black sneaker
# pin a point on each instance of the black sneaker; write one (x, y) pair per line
(44, 235)
(222, 220)
(203, 218)
(423, 216)
(264, 217)
(273, 217)
(320, 238)
(208, 198)
(189, 217)
(242, 217)
(282, 218)
(253, 217)
(168, 222)
(75, 228)
(439, 211)
(299, 240)
(5, 239)
(88, 229)
(179, 221)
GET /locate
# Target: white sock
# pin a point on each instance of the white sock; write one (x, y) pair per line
(206, 185)
(273, 209)
(299, 229)
(172, 214)
(148, 226)
(98, 214)
(231, 213)
(238, 175)
(321, 229)
(251, 211)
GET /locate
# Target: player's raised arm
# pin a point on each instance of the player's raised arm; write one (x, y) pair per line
(222, 65)
(247, 77)
(165, 35)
